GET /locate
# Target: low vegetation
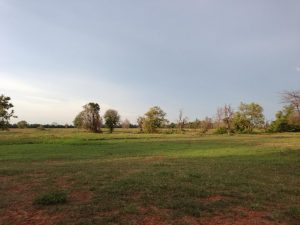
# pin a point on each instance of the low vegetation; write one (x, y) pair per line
(51, 198)
(130, 177)
(235, 168)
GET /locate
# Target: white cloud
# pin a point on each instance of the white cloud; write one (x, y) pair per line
(11, 84)
(37, 100)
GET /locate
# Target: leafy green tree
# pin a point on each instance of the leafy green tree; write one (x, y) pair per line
(5, 112)
(112, 119)
(78, 121)
(248, 117)
(287, 120)
(89, 118)
(22, 124)
(154, 119)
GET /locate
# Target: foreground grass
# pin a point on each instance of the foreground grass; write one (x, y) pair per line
(132, 178)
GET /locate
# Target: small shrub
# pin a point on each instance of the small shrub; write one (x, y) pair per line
(294, 212)
(41, 127)
(51, 198)
(221, 130)
(130, 208)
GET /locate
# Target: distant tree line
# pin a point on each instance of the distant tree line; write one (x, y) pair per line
(248, 118)
(24, 124)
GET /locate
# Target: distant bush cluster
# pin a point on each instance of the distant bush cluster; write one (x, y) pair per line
(248, 118)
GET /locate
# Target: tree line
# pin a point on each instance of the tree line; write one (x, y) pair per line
(247, 118)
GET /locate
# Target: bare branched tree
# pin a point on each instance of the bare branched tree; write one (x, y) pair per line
(181, 120)
(292, 98)
(228, 114)
(126, 124)
(219, 117)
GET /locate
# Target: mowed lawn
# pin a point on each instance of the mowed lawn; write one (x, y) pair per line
(131, 178)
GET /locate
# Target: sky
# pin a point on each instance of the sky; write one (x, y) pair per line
(195, 55)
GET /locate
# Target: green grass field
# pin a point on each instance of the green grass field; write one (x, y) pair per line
(67, 176)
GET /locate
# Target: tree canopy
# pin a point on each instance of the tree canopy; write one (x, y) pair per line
(89, 118)
(112, 119)
(248, 117)
(6, 112)
(153, 119)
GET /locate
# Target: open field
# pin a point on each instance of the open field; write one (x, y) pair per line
(131, 178)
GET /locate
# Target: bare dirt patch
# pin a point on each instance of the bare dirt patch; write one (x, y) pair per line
(81, 196)
(19, 209)
(4, 179)
(213, 198)
(63, 183)
(150, 159)
(29, 217)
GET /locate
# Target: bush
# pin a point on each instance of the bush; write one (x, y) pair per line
(221, 130)
(41, 127)
(51, 198)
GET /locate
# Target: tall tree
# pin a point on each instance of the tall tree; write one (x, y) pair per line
(288, 119)
(248, 117)
(126, 124)
(154, 119)
(89, 118)
(219, 117)
(292, 98)
(22, 124)
(181, 120)
(285, 121)
(228, 117)
(112, 119)
(5, 112)
(78, 121)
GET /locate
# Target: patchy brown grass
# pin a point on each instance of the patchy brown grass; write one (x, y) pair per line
(152, 220)
(30, 216)
(150, 159)
(81, 196)
(241, 216)
(213, 198)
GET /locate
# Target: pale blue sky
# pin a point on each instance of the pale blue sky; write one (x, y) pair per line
(129, 55)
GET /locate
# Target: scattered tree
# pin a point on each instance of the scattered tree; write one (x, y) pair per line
(22, 124)
(182, 121)
(140, 121)
(154, 119)
(112, 119)
(206, 124)
(292, 98)
(228, 117)
(248, 117)
(219, 117)
(286, 121)
(126, 124)
(5, 112)
(89, 118)
(196, 124)
(78, 121)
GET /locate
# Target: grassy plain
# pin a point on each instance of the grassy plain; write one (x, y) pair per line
(132, 178)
